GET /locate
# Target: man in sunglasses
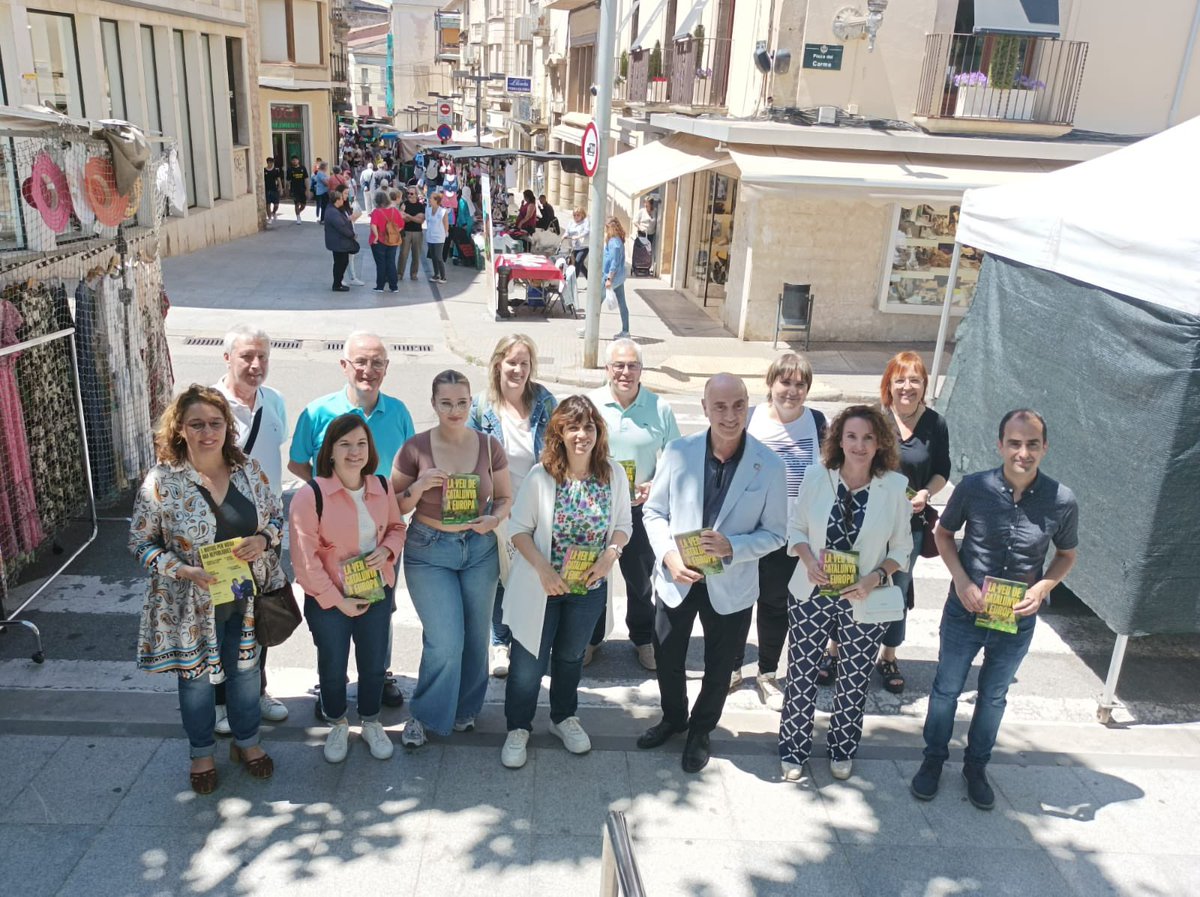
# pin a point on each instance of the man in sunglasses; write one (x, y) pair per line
(725, 493)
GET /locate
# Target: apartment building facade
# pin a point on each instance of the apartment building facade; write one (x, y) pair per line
(816, 142)
(185, 73)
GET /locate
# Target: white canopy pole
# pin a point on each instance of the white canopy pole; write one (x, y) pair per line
(944, 323)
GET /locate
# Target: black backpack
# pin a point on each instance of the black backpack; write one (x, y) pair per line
(319, 499)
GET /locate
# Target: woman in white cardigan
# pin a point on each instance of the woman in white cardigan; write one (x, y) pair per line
(854, 500)
(570, 523)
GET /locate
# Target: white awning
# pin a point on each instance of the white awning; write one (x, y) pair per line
(568, 134)
(690, 20)
(568, 5)
(632, 173)
(880, 175)
(1030, 17)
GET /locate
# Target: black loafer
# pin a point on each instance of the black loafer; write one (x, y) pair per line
(657, 735)
(979, 792)
(392, 695)
(695, 752)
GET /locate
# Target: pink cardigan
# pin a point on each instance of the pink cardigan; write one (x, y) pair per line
(319, 547)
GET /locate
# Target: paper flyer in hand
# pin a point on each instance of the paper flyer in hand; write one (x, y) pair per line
(631, 475)
(234, 580)
(695, 557)
(842, 569)
(577, 560)
(999, 597)
(460, 498)
(361, 582)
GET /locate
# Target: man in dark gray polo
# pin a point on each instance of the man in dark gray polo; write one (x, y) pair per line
(1012, 514)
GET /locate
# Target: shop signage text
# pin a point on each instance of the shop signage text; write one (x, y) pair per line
(520, 85)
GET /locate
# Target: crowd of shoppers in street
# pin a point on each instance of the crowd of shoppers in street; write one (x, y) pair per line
(815, 524)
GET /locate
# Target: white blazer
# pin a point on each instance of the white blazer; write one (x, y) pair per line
(886, 530)
(533, 513)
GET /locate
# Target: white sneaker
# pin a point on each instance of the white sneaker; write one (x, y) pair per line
(413, 735)
(841, 769)
(465, 725)
(769, 692)
(222, 726)
(355, 282)
(573, 737)
(513, 754)
(792, 772)
(273, 711)
(500, 660)
(377, 740)
(337, 742)
(735, 680)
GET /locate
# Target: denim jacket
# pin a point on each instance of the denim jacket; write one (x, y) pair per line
(614, 260)
(485, 418)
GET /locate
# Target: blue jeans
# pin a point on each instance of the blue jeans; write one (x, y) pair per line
(501, 634)
(452, 581)
(196, 698)
(894, 636)
(1003, 652)
(385, 265)
(619, 289)
(569, 622)
(332, 632)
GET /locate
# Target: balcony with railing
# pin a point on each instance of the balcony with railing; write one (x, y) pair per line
(689, 74)
(999, 84)
(447, 25)
(338, 69)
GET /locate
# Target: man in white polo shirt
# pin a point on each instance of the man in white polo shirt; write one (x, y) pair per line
(261, 431)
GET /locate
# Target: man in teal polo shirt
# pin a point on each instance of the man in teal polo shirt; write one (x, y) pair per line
(365, 364)
(640, 425)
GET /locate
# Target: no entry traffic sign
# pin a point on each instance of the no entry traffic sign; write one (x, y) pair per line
(589, 150)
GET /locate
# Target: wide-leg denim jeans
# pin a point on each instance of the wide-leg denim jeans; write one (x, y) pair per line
(452, 581)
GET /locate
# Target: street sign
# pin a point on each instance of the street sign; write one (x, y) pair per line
(589, 150)
(444, 109)
(519, 85)
(444, 132)
(823, 56)
(444, 114)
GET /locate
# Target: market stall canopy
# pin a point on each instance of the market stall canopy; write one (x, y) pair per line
(632, 173)
(888, 174)
(1125, 222)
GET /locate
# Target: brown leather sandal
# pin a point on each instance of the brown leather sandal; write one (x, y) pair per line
(260, 767)
(205, 781)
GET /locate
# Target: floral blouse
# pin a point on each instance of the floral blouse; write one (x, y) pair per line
(170, 520)
(581, 517)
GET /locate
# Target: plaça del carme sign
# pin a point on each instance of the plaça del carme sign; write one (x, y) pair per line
(589, 150)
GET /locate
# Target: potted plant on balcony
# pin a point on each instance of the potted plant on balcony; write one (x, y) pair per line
(656, 63)
(1003, 92)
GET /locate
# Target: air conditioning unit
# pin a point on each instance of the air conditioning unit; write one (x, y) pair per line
(469, 54)
(524, 29)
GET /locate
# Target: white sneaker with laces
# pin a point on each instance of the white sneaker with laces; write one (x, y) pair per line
(337, 742)
(466, 724)
(769, 692)
(735, 680)
(222, 727)
(513, 754)
(273, 711)
(413, 735)
(841, 769)
(500, 661)
(377, 740)
(573, 737)
(357, 283)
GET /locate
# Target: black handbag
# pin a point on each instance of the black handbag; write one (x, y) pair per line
(929, 519)
(276, 615)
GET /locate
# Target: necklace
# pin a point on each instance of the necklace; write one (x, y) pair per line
(908, 418)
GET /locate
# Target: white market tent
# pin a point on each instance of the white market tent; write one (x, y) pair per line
(1089, 305)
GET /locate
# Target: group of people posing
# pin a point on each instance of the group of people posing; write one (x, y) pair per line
(519, 507)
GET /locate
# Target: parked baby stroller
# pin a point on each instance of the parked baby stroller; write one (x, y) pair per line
(464, 246)
(643, 257)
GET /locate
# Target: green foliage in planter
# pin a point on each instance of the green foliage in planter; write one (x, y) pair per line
(699, 32)
(656, 61)
(623, 67)
(1006, 62)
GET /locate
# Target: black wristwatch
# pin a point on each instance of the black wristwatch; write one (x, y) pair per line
(882, 576)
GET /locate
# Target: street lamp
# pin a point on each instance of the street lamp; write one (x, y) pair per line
(463, 75)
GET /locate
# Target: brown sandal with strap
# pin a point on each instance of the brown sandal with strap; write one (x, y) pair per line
(205, 781)
(260, 767)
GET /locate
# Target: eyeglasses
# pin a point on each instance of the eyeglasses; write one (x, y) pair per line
(625, 365)
(199, 426)
(362, 364)
(847, 504)
(447, 407)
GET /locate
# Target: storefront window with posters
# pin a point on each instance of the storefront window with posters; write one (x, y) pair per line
(288, 132)
(917, 264)
(712, 233)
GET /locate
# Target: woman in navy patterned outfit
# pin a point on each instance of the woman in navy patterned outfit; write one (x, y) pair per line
(852, 501)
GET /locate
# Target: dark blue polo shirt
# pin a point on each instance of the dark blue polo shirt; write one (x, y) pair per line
(1010, 539)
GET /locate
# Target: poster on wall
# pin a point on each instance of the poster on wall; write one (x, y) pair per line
(922, 246)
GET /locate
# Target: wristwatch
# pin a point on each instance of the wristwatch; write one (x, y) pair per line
(618, 549)
(882, 576)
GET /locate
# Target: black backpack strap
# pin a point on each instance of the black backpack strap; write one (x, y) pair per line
(318, 498)
(258, 415)
(383, 481)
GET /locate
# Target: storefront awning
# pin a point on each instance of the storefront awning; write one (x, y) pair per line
(1030, 17)
(568, 5)
(568, 134)
(877, 175)
(632, 173)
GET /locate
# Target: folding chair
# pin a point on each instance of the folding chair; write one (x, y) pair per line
(794, 312)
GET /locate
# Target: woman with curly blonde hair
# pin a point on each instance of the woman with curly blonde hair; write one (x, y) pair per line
(204, 490)
(614, 269)
(571, 521)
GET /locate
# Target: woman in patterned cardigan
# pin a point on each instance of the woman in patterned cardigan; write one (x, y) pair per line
(203, 491)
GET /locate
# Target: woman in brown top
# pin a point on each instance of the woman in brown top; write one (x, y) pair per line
(456, 481)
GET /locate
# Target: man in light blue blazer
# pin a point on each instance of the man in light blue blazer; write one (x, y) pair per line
(732, 490)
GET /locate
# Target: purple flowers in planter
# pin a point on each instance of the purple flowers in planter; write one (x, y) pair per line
(971, 79)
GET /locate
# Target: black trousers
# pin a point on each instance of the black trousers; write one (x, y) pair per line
(637, 567)
(219, 689)
(341, 260)
(774, 572)
(672, 632)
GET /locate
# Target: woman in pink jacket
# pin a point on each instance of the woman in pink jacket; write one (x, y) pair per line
(347, 534)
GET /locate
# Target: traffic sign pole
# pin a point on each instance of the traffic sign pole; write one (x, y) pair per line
(605, 50)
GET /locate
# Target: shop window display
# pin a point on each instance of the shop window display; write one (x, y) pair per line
(918, 261)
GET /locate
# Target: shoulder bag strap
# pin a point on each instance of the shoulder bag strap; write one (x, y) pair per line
(250, 440)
